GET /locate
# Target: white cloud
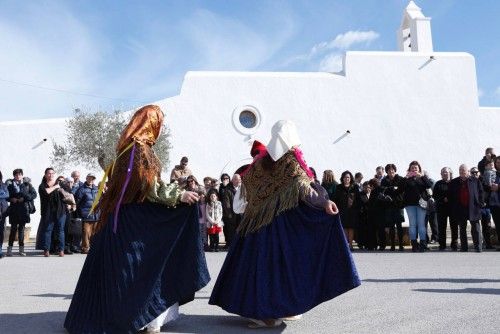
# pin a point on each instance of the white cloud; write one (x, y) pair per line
(345, 41)
(497, 91)
(341, 42)
(331, 63)
(480, 93)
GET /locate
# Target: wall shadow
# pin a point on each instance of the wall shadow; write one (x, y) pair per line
(432, 280)
(478, 291)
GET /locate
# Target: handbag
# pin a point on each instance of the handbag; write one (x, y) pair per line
(425, 196)
(30, 206)
(422, 203)
(75, 227)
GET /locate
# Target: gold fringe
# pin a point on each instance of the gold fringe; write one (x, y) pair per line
(271, 192)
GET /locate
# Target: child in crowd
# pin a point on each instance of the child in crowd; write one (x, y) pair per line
(490, 173)
(214, 219)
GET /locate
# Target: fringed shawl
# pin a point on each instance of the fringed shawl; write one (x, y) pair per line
(272, 191)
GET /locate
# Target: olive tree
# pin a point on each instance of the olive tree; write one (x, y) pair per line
(91, 139)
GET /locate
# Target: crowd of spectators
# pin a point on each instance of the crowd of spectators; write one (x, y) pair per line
(66, 223)
(370, 211)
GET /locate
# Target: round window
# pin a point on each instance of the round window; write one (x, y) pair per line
(248, 119)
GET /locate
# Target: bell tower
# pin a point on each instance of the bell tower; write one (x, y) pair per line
(414, 34)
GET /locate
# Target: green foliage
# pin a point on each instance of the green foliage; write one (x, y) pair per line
(92, 137)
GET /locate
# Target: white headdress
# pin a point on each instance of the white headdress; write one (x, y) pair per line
(284, 136)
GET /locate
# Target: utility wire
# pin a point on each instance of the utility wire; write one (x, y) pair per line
(67, 91)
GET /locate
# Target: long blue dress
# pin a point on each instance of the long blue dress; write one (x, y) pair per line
(287, 267)
(154, 260)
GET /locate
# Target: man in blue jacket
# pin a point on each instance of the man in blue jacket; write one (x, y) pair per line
(85, 196)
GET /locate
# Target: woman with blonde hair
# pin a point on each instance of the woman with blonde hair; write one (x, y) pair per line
(329, 183)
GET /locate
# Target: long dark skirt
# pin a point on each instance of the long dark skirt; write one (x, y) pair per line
(286, 268)
(154, 260)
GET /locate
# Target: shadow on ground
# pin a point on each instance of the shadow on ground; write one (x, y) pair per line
(53, 295)
(192, 323)
(47, 322)
(52, 322)
(432, 280)
(480, 291)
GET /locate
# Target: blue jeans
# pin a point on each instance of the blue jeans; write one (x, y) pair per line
(416, 216)
(58, 225)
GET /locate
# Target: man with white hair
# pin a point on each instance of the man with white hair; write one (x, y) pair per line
(466, 200)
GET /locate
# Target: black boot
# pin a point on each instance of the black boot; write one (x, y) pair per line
(423, 246)
(414, 246)
(392, 236)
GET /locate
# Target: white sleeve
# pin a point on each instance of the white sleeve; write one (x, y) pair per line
(239, 202)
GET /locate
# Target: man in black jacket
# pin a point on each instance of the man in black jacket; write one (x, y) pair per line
(466, 201)
(441, 196)
(229, 217)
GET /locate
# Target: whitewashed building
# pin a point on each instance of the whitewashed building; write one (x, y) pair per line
(383, 107)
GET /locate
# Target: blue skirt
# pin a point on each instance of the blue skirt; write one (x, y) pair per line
(286, 268)
(154, 260)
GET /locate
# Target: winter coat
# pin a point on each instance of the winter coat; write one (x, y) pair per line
(391, 188)
(440, 192)
(4, 197)
(214, 214)
(476, 199)
(482, 163)
(348, 211)
(376, 208)
(76, 186)
(50, 203)
(330, 189)
(85, 196)
(412, 189)
(227, 198)
(20, 211)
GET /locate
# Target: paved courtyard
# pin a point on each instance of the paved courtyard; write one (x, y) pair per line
(438, 292)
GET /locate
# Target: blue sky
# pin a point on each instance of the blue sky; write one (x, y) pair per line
(126, 53)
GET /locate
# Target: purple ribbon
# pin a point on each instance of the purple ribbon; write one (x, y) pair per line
(127, 180)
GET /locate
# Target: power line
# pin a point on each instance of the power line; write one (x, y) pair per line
(68, 92)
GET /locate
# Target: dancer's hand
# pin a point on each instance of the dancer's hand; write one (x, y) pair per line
(331, 208)
(190, 197)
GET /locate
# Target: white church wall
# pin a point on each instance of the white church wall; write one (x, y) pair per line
(398, 107)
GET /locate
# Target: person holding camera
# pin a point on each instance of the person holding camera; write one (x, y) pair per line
(53, 213)
(85, 196)
(414, 188)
